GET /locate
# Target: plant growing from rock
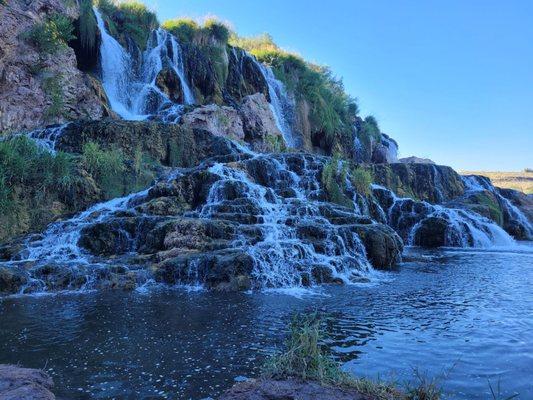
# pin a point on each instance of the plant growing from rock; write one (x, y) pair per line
(53, 87)
(361, 179)
(333, 179)
(52, 35)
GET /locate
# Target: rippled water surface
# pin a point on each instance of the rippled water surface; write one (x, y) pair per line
(465, 317)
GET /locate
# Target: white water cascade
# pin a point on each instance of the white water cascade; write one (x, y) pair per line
(475, 183)
(464, 228)
(281, 103)
(135, 95)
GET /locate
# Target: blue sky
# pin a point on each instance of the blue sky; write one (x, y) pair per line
(451, 80)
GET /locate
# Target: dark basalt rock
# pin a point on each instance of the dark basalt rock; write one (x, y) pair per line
(426, 182)
(12, 280)
(432, 232)
(383, 246)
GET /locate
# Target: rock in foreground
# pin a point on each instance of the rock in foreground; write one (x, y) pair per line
(266, 389)
(24, 384)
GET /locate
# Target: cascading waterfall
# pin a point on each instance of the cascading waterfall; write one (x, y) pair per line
(281, 103)
(281, 257)
(135, 96)
(45, 138)
(464, 228)
(475, 183)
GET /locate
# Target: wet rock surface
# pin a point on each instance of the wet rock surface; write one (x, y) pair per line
(24, 384)
(292, 389)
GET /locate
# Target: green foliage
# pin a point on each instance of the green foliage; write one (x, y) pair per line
(370, 130)
(26, 168)
(106, 167)
(128, 18)
(183, 28)
(187, 30)
(361, 179)
(53, 87)
(276, 144)
(217, 30)
(332, 110)
(52, 35)
(334, 176)
(304, 358)
(88, 26)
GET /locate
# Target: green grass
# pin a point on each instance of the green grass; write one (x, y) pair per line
(27, 170)
(52, 35)
(106, 167)
(188, 30)
(53, 88)
(128, 18)
(333, 179)
(361, 179)
(304, 358)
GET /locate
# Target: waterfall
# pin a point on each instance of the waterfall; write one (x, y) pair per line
(281, 103)
(464, 228)
(135, 96)
(475, 183)
(391, 148)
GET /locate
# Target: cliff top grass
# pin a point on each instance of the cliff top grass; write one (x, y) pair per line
(128, 18)
(303, 357)
(188, 30)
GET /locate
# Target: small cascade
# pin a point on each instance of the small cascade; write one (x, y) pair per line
(135, 95)
(476, 183)
(281, 103)
(285, 252)
(451, 227)
(47, 137)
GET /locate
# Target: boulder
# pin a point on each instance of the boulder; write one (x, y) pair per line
(258, 119)
(12, 280)
(217, 120)
(382, 244)
(18, 383)
(431, 232)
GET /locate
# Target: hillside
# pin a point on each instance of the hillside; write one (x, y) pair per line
(522, 181)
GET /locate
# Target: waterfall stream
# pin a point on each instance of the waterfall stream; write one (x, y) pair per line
(132, 89)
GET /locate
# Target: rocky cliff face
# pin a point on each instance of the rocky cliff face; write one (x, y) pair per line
(39, 88)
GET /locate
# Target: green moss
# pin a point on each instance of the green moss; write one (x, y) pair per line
(276, 144)
(52, 35)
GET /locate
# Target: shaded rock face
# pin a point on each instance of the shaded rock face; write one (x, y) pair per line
(26, 74)
(24, 384)
(237, 221)
(431, 183)
(265, 389)
(169, 83)
(385, 152)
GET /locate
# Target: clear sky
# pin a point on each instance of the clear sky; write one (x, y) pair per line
(451, 80)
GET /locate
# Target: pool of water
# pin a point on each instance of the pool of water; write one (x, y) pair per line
(464, 317)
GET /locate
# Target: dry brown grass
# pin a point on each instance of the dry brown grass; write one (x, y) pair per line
(522, 180)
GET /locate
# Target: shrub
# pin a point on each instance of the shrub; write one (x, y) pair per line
(276, 144)
(217, 29)
(53, 34)
(183, 28)
(105, 166)
(28, 170)
(361, 179)
(130, 18)
(333, 177)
